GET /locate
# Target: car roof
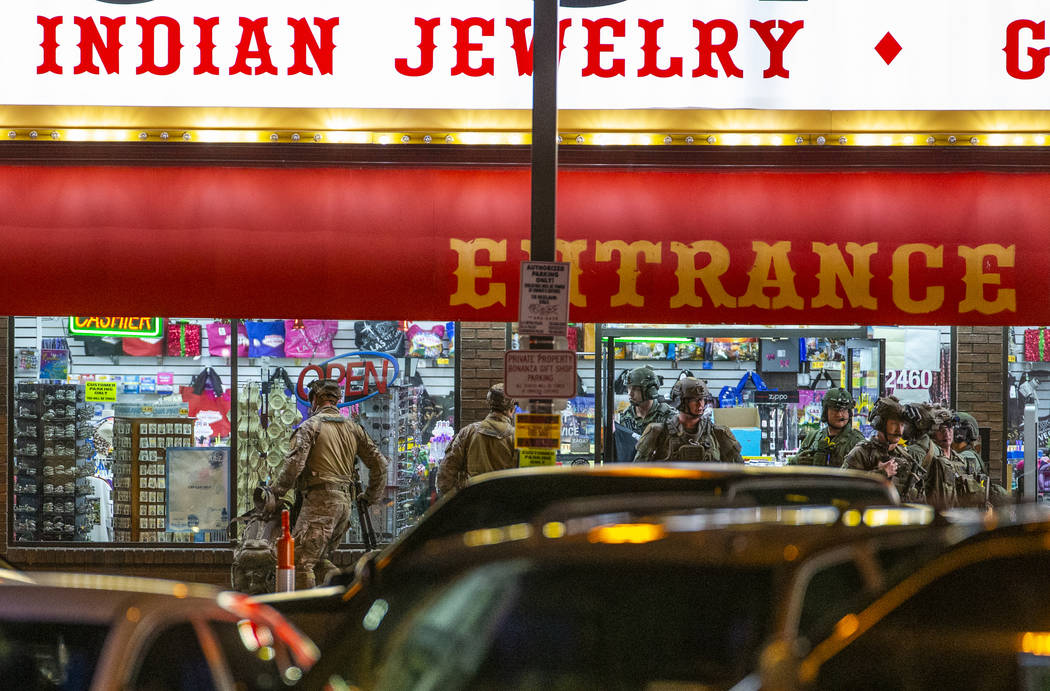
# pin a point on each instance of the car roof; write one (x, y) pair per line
(681, 470)
(754, 536)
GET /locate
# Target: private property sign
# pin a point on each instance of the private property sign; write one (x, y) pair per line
(814, 55)
(540, 373)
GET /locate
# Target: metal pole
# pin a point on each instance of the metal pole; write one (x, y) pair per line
(544, 129)
(1031, 452)
(544, 150)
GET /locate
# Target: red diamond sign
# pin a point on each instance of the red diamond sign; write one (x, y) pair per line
(888, 48)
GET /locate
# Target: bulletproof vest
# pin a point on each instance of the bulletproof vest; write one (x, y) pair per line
(973, 461)
(491, 448)
(682, 446)
(333, 456)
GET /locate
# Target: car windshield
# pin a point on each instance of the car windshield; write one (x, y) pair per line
(519, 624)
(49, 655)
(506, 501)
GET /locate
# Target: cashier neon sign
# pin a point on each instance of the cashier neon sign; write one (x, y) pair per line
(141, 327)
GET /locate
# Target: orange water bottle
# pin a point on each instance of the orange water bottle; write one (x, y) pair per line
(285, 556)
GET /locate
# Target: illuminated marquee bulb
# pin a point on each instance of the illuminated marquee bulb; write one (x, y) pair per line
(143, 135)
(164, 136)
(449, 139)
(186, 136)
(931, 140)
(427, 139)
(579, 139)
(821, 140)
(689, 139)
(667, 139)
(974, 140)
(711, 139)
(274, 137)
(842, 140)
(295, 136)
(405, 139)
(800, 140)
(33, 135)
(952, 139)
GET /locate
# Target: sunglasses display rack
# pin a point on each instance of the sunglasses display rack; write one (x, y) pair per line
(404, 471)
(52, 496)
(391, 420)
(140, 475)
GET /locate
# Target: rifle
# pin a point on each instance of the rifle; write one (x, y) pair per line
(368, 533)
(916, 469)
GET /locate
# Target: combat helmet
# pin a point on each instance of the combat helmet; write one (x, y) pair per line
(942, 416)
(840, 398)
(645, 378)
(325, 388)
(685, 389)
(919, 417)
(886, 408)
(966, 428)
(498, 399)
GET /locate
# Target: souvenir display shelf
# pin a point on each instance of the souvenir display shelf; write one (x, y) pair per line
(139, 471)
(52, 497)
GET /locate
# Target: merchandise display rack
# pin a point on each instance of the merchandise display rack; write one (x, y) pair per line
(52, 496)
(139, 474)
(391, 420)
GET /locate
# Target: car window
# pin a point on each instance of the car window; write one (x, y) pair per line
(824, 494)
(518, 625)
(174, 661)
(964, 630)
(49, 655)
(505, 502)
(829, 595)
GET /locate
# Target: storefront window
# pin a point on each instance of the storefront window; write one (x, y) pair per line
(1028, 383)
(162, 436)
(799, 362)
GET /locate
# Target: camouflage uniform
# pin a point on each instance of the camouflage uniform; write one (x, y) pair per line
(478, 448)
(322, 465)
(659, 412)
(820, 448)
(969, 480)
(869, 453)
(941, 475)
(671, 442)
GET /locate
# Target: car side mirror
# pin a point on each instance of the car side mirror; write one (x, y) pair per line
(365, 570)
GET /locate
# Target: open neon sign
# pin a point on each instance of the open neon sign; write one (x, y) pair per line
(359, 378)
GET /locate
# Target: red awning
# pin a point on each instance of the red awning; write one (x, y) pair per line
(649, 245)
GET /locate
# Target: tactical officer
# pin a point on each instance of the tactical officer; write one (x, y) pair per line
(690, 436)
(645, 408)
(965, 440)
(883, 453)
(481, 446)
(968, 480)
(322, 465)
(941, 476)
(919, 422)
(829, 445)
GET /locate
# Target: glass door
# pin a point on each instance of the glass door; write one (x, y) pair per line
(865, 366)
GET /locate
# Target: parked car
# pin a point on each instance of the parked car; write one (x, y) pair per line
(975, 617)
(76, 631)
(622, 599)
(517, 496)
